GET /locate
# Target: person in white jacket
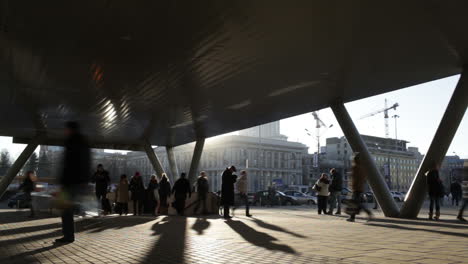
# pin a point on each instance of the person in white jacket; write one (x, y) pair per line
(322, 193)
(242, 186)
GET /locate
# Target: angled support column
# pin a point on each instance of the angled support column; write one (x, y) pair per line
(172, 163)
(440, 143)
(153, 158)
(197, 152)
(18, 164)
(376, 181)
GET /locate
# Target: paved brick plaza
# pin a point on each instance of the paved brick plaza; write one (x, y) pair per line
(278, 235)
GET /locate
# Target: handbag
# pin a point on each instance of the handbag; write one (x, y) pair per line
(316, 188)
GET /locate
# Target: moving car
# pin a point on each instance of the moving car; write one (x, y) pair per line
(301, 197)
(397, 196)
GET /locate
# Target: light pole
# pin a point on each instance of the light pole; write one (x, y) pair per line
(396, 149)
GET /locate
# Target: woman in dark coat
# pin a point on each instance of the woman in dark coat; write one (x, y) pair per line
(153, 195)
(164, 193)
(138, 193)
(435, 191)
(180, 190)
(227, 189)
(28, 186)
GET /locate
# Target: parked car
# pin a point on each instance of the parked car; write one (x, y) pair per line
(397, 196)
(302, 198)
(18, 200)
(262, 199)
(369, 197)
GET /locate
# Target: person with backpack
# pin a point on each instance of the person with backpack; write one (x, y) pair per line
(202, 192)
(28, 186)
(321, 187)
(435, 190)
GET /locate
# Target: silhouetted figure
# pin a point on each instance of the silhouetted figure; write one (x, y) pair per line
(242, 187)
(358, 179)
(164, 193)
(28, 186)
(464, 196)
(335, 188)
(227, 190)
(75, 177)
(137, 190)
(456, 191)
(322, 193)
(102, 180)
(180, 190)
(121, 195)
(435, 190)
(153, 195)
(202, 192)
(271, 195)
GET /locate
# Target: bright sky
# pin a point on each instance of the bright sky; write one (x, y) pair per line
(420, 111)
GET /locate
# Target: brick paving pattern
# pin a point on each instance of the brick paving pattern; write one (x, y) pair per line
(273, 235)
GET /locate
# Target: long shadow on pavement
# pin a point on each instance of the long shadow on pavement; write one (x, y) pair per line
(266, 225)
(27, 256)
(448, 233)
(171, 242)
(200, 225)
(21, 216)
(257, 238)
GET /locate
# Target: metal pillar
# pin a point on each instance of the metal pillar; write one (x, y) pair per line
(197, 152)
(18, 164)
(440, 143)
(376, 181)
(172, 163)
(153, 158)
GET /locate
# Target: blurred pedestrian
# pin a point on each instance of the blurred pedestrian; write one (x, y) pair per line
(101, 179)
(242, 188)
(164, 193)
(272, 195)
(456, 191)
(122, 196)
(137, 190)
(335, 188)
(28, 186)
(435, 190)
(74, 178)
(464, 196)
(181, 191)
(358, 179)
(153, 195)
(322, 193)
(202, 192)
(227, 189)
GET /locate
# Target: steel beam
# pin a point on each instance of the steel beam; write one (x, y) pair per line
(172, 164)
(443, 137)
(375, 180)
(197, 152)
(18, 164)
(153, 158)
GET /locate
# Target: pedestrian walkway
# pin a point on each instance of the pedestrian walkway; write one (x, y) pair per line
(273, 235)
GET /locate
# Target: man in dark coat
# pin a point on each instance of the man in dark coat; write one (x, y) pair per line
(335, 189)
(75, 177)
(227, 190)
(180, 190)
(202, 192)
(456, 190)
(435, 191)
(102, 180)
(137, 188)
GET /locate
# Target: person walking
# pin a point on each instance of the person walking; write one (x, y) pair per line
(74, 178)
(227, 189)
(137, 190)
(322, 193)
(122, 196)
(456, 191)
(242, 186)
(335, 188)
(202, 192)
(28, 186)
(164, 193)
(101, 179)
(435, 190)
(153, 195)
(181, 190)
(272, 195)
(358, 179)
(464, 187)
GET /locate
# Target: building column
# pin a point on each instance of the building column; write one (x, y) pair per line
(197, 152)
(375, 180)
(18, 164)
(443, 137)
(172, 163)
(157, 166)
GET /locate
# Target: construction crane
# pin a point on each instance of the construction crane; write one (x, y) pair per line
(318, 124)
(385, 111)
